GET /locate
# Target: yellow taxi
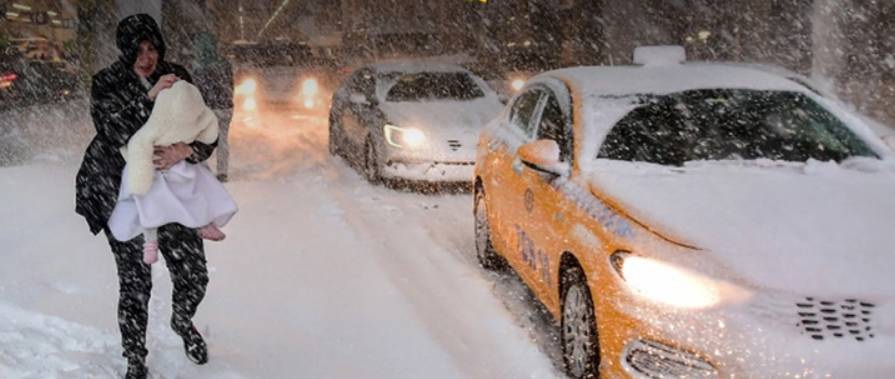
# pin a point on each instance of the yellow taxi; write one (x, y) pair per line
(693, 220)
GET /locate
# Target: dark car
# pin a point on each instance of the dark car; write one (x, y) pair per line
(25, 82)
(285, 76)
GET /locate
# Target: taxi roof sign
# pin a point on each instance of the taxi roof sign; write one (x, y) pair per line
(659, 55)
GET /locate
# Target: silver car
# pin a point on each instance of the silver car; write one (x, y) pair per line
(410, 121)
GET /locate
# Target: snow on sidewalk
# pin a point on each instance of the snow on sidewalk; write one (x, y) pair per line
(33, 345)
(321, 276)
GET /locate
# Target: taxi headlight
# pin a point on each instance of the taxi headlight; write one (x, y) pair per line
(665, 283)
(404, 137)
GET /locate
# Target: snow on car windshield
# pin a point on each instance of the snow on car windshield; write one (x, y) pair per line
(429, 86)
(731, 124)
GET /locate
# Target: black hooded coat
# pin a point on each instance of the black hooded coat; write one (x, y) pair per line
(119, 105)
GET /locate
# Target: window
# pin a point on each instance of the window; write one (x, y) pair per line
(725, 124)
(553, 125)
(640, 137)
(523, 108)
(428, 86)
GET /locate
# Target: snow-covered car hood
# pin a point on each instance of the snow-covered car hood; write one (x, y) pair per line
(813, 229)
(459, 120)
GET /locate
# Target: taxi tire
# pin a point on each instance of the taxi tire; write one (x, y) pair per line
(486, 255)
(573, 277)
(371, 162)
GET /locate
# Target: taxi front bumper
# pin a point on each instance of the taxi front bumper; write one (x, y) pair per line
(768, 337)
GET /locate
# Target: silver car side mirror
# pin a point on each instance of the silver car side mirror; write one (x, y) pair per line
(504, 99)
(358, 98)
(890, 142)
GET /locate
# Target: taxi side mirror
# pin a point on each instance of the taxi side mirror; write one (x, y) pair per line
(543, 155)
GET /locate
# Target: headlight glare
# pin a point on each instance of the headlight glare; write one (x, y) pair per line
(404, 137)
(309, 87)
(665, 283)
(250, 104)
(247, 87)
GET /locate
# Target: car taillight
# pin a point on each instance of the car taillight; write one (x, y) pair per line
(6, 79)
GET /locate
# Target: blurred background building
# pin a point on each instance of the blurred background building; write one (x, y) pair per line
(39, 29)
(846, 44)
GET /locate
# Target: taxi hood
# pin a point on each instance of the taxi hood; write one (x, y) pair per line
(822, 229)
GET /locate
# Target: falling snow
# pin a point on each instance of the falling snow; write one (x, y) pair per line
(336, 267)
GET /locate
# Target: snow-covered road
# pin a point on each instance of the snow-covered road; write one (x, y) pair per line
(322, 276)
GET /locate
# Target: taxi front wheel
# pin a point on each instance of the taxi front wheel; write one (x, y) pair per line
(485, 253)
(580, 345)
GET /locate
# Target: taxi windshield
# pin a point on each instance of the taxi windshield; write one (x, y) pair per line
(731, 124)
(428, 86)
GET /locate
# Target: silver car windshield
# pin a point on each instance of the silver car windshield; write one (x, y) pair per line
(429, 86)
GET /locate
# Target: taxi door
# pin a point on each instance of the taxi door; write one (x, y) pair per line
(506, 188)
(546, 208)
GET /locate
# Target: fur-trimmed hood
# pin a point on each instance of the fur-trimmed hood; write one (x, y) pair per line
(134, 29)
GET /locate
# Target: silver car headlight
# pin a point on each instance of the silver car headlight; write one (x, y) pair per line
(668, 284)
(404, 137)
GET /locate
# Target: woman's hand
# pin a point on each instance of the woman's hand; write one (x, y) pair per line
(166, 81)
(166, 156)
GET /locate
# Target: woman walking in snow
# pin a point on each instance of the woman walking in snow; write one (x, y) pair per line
(121, 99)
(186, 193)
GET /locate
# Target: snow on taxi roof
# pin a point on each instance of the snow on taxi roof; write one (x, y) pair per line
(663, 79)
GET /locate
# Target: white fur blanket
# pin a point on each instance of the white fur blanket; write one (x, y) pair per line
(179, 115)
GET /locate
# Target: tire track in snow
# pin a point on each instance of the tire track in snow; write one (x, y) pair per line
(427, 254)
